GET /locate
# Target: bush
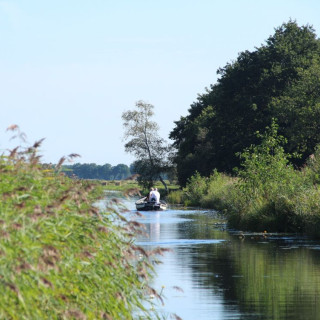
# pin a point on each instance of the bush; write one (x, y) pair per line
(212, 192)
(219, 188)
(195, 189)
(176, 197)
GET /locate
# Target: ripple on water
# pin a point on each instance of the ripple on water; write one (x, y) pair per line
(180, 242)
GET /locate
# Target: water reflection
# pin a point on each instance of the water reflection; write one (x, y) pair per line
(154, 233)
(224, 276)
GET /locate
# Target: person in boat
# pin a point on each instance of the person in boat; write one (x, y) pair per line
(148, 197)
(155, 195)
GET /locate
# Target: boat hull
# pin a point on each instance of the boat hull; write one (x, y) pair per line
(142, 205)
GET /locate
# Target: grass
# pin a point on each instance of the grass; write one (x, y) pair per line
(60, 257)
(132, 188)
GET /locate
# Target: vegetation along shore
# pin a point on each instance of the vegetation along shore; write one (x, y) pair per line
(250, 144)
(61, 257)
(268, 194)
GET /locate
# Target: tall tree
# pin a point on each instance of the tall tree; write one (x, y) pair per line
(280, 79)
(144, 142)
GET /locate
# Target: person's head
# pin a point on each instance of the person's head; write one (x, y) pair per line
(156, 189)
(151, 189)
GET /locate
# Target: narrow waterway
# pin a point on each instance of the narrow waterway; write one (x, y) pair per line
(215, 273)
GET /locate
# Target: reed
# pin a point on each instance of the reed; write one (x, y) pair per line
(60, 256)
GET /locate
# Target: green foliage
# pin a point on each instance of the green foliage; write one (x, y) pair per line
(219, 191)
(61, 258)
(94, 171)
(195, 189)
(267, 186)
(176, 197)
(147, 173)
(268, 194)
(212, 192)
(266, 169)
(312, 168)
(279, 79)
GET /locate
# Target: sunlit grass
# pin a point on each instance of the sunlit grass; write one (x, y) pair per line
(133, 188)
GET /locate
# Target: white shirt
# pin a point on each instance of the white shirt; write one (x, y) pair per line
(155, 195)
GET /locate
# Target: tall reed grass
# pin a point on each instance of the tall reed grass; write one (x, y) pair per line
(60, 257)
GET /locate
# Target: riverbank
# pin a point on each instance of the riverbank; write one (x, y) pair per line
(61, 257)
(131, 187)
(289, 208)
(267, 194)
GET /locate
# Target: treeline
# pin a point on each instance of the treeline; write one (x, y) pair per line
(279, 80)
(100, 172)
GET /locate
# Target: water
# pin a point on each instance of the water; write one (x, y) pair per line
(228, 275)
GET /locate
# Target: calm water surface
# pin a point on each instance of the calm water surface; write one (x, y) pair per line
(224, 275)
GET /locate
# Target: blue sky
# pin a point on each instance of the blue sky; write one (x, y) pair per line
(70, 68)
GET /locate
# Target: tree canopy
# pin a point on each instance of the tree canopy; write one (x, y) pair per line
(143, 141)
(280, 79)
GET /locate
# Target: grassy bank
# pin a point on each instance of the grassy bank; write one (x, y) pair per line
(267, 194)
(60, 257)
(133, 188)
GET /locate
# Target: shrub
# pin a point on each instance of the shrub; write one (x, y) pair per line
(219, 189)
(195, 189)
(176, 197)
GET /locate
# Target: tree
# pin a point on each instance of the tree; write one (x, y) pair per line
(143, 141)
(120, 171)
(280, 79)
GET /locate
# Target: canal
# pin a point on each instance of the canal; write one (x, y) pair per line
(215, 273)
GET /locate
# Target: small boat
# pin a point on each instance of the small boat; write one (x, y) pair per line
(144, 205)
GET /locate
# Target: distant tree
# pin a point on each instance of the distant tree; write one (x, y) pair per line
(143, 141)
(106, 171)
(120, 171)
(132, 168)
(280, 79)
(94, 171)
